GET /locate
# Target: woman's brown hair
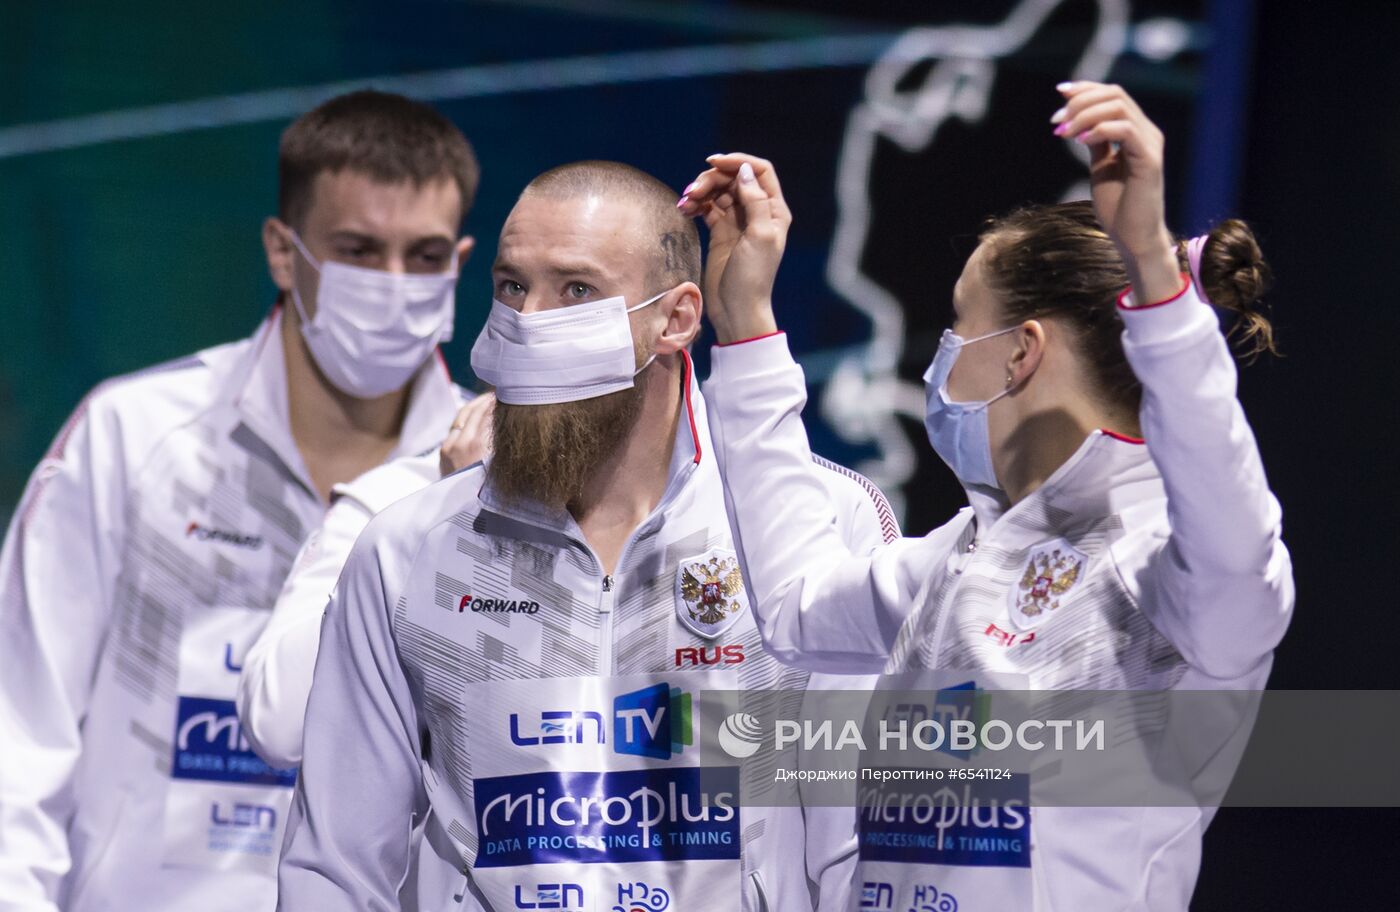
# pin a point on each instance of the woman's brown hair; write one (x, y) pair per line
(1057, 261)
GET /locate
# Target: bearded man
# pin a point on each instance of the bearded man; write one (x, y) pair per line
(528, 632)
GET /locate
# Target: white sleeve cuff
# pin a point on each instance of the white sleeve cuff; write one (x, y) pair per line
(764, 355)
(1179, 317)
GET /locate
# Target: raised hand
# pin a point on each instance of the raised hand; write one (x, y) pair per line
(742, 204)
(469, 439)
(1125, 174)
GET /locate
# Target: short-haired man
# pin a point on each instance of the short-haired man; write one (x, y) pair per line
(154, 536)
(514, 647)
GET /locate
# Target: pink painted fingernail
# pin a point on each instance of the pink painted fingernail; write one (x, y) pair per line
(688, 187)
(683, 202)
(1059, 116)
(1062, 129)
(1064, 86)
(1081, 136)
(746, 174)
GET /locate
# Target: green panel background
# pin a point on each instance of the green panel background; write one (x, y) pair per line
(124, 254)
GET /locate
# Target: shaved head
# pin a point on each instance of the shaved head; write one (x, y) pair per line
(582, 233)
(670, 240)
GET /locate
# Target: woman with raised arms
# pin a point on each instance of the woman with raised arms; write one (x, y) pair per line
(1120, 533)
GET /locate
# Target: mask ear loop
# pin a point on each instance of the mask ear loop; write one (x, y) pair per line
(1010, 380)
(651, 300)
(296, 240)
(296, 293)
(999, 332)
(1011, 383)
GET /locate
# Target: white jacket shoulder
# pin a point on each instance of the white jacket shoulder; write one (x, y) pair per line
(381, 486)
(861, 506)
(139, 409)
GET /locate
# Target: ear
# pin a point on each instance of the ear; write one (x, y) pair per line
(464, 250)
(683, 310)
(1026, 357)
(280, 253)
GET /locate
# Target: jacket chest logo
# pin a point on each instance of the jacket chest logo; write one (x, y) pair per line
(201, 532)
(710, 594)
(1052, 571)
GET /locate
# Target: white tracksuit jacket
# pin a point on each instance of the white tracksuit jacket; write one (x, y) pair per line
(276, 678)
(142, 562)
(1185, 585)
(475, 660)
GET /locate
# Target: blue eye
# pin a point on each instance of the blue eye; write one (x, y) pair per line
(507, 287)
(580, 290)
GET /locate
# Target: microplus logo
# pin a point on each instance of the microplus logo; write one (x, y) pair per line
(984, 822)
(515, 606)
(652, 722)
(209, 746)
(571, 817)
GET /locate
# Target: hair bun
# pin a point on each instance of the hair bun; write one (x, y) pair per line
(1235, 277)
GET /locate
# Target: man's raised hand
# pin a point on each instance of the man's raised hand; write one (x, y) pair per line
(742, 203)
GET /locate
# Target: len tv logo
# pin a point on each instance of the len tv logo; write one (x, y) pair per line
(550, 896)
(652, 722)
(561, 726)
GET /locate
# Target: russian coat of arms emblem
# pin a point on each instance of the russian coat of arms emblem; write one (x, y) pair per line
(1051, 571)
(710, 592)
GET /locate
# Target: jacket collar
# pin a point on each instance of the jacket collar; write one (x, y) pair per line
(257, 390)
(1090, 484)
(690, 451)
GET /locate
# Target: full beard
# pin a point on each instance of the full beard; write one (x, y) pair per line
(548, 453)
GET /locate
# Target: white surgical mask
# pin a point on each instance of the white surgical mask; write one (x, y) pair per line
(374, 329)
(581, 351)
(958, 430)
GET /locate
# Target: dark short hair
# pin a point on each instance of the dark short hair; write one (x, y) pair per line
(676, 254)
(387, 137)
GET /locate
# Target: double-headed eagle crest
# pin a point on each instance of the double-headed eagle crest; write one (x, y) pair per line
(711, 591)
(1050, 573)
(709, 588)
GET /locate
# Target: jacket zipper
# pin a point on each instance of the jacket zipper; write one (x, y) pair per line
(964, 560)
(978, 538)
(608, 599)
(605, 608)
